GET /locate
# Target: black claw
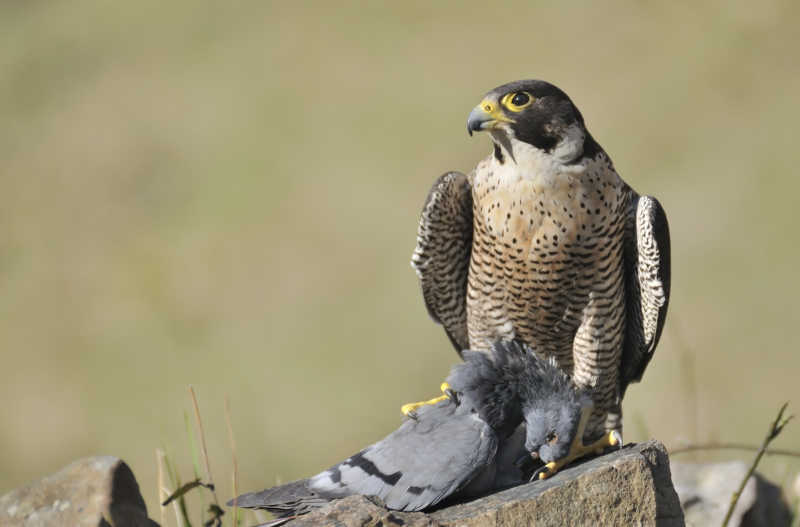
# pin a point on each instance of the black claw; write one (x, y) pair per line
(525, 463)
(412, 414)
(452, 395)
(539, 471)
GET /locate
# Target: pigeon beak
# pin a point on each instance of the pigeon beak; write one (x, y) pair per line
(527, 461)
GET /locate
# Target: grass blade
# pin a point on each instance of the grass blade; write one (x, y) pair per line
(235, 515)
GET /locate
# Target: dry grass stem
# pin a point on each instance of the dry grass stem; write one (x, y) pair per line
(235, 514)
(775, 429)
(203, 448)
(162, 490)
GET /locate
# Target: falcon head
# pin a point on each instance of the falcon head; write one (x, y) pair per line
(531, 113)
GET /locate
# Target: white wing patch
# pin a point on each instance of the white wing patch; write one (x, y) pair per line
(652, 290)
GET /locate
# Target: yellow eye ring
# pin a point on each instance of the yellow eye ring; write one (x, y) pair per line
(517, 101)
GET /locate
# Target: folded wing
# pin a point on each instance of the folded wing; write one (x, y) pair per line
(647, 270)
(418, 465)
(441, 258)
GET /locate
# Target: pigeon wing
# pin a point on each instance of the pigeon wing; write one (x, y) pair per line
(420, 463)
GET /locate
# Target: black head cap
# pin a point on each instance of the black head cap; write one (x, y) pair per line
(537, 112)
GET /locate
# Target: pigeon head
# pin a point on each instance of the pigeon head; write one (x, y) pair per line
(553, 424)
(514, 385)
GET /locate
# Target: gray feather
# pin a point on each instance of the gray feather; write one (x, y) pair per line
(283, 500)
(420, 463)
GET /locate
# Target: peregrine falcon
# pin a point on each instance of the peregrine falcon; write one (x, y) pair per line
(544, 243)
(464, 446)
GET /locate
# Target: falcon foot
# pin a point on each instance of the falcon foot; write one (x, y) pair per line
(410, 408)
(578, 450)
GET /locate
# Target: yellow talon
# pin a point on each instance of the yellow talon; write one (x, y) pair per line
(578, 450)
(410, 407)
(551, 467)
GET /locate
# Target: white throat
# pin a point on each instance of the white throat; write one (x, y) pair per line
(525, 161)
(571, 146)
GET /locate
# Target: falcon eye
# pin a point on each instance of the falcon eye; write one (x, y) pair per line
(551, 437)
(520, 99)
(517, 101)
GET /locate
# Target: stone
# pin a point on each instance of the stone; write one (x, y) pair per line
(631, 486)
(705, 491)
(97, 491)
(358, 511)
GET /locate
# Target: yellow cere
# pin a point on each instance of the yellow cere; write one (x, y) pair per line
(490, 107)
(508, 99)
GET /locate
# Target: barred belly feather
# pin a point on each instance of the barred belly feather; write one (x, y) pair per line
(546, 269)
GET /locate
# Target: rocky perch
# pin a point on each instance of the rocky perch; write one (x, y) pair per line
(629, 487)
(632, 486)
(96, 491)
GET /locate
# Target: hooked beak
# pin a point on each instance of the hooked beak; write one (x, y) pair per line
(485, 116)
(477, 119)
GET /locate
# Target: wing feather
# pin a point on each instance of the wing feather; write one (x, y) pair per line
(286, 500)
(441, 258)
(419, 464)
(647, 269)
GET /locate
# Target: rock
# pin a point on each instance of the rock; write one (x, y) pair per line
(705, 491)
(796, 488)
(357, 511)
(97, 491)
(629, 487)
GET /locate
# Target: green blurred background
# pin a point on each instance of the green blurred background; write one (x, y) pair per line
(226, 195)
